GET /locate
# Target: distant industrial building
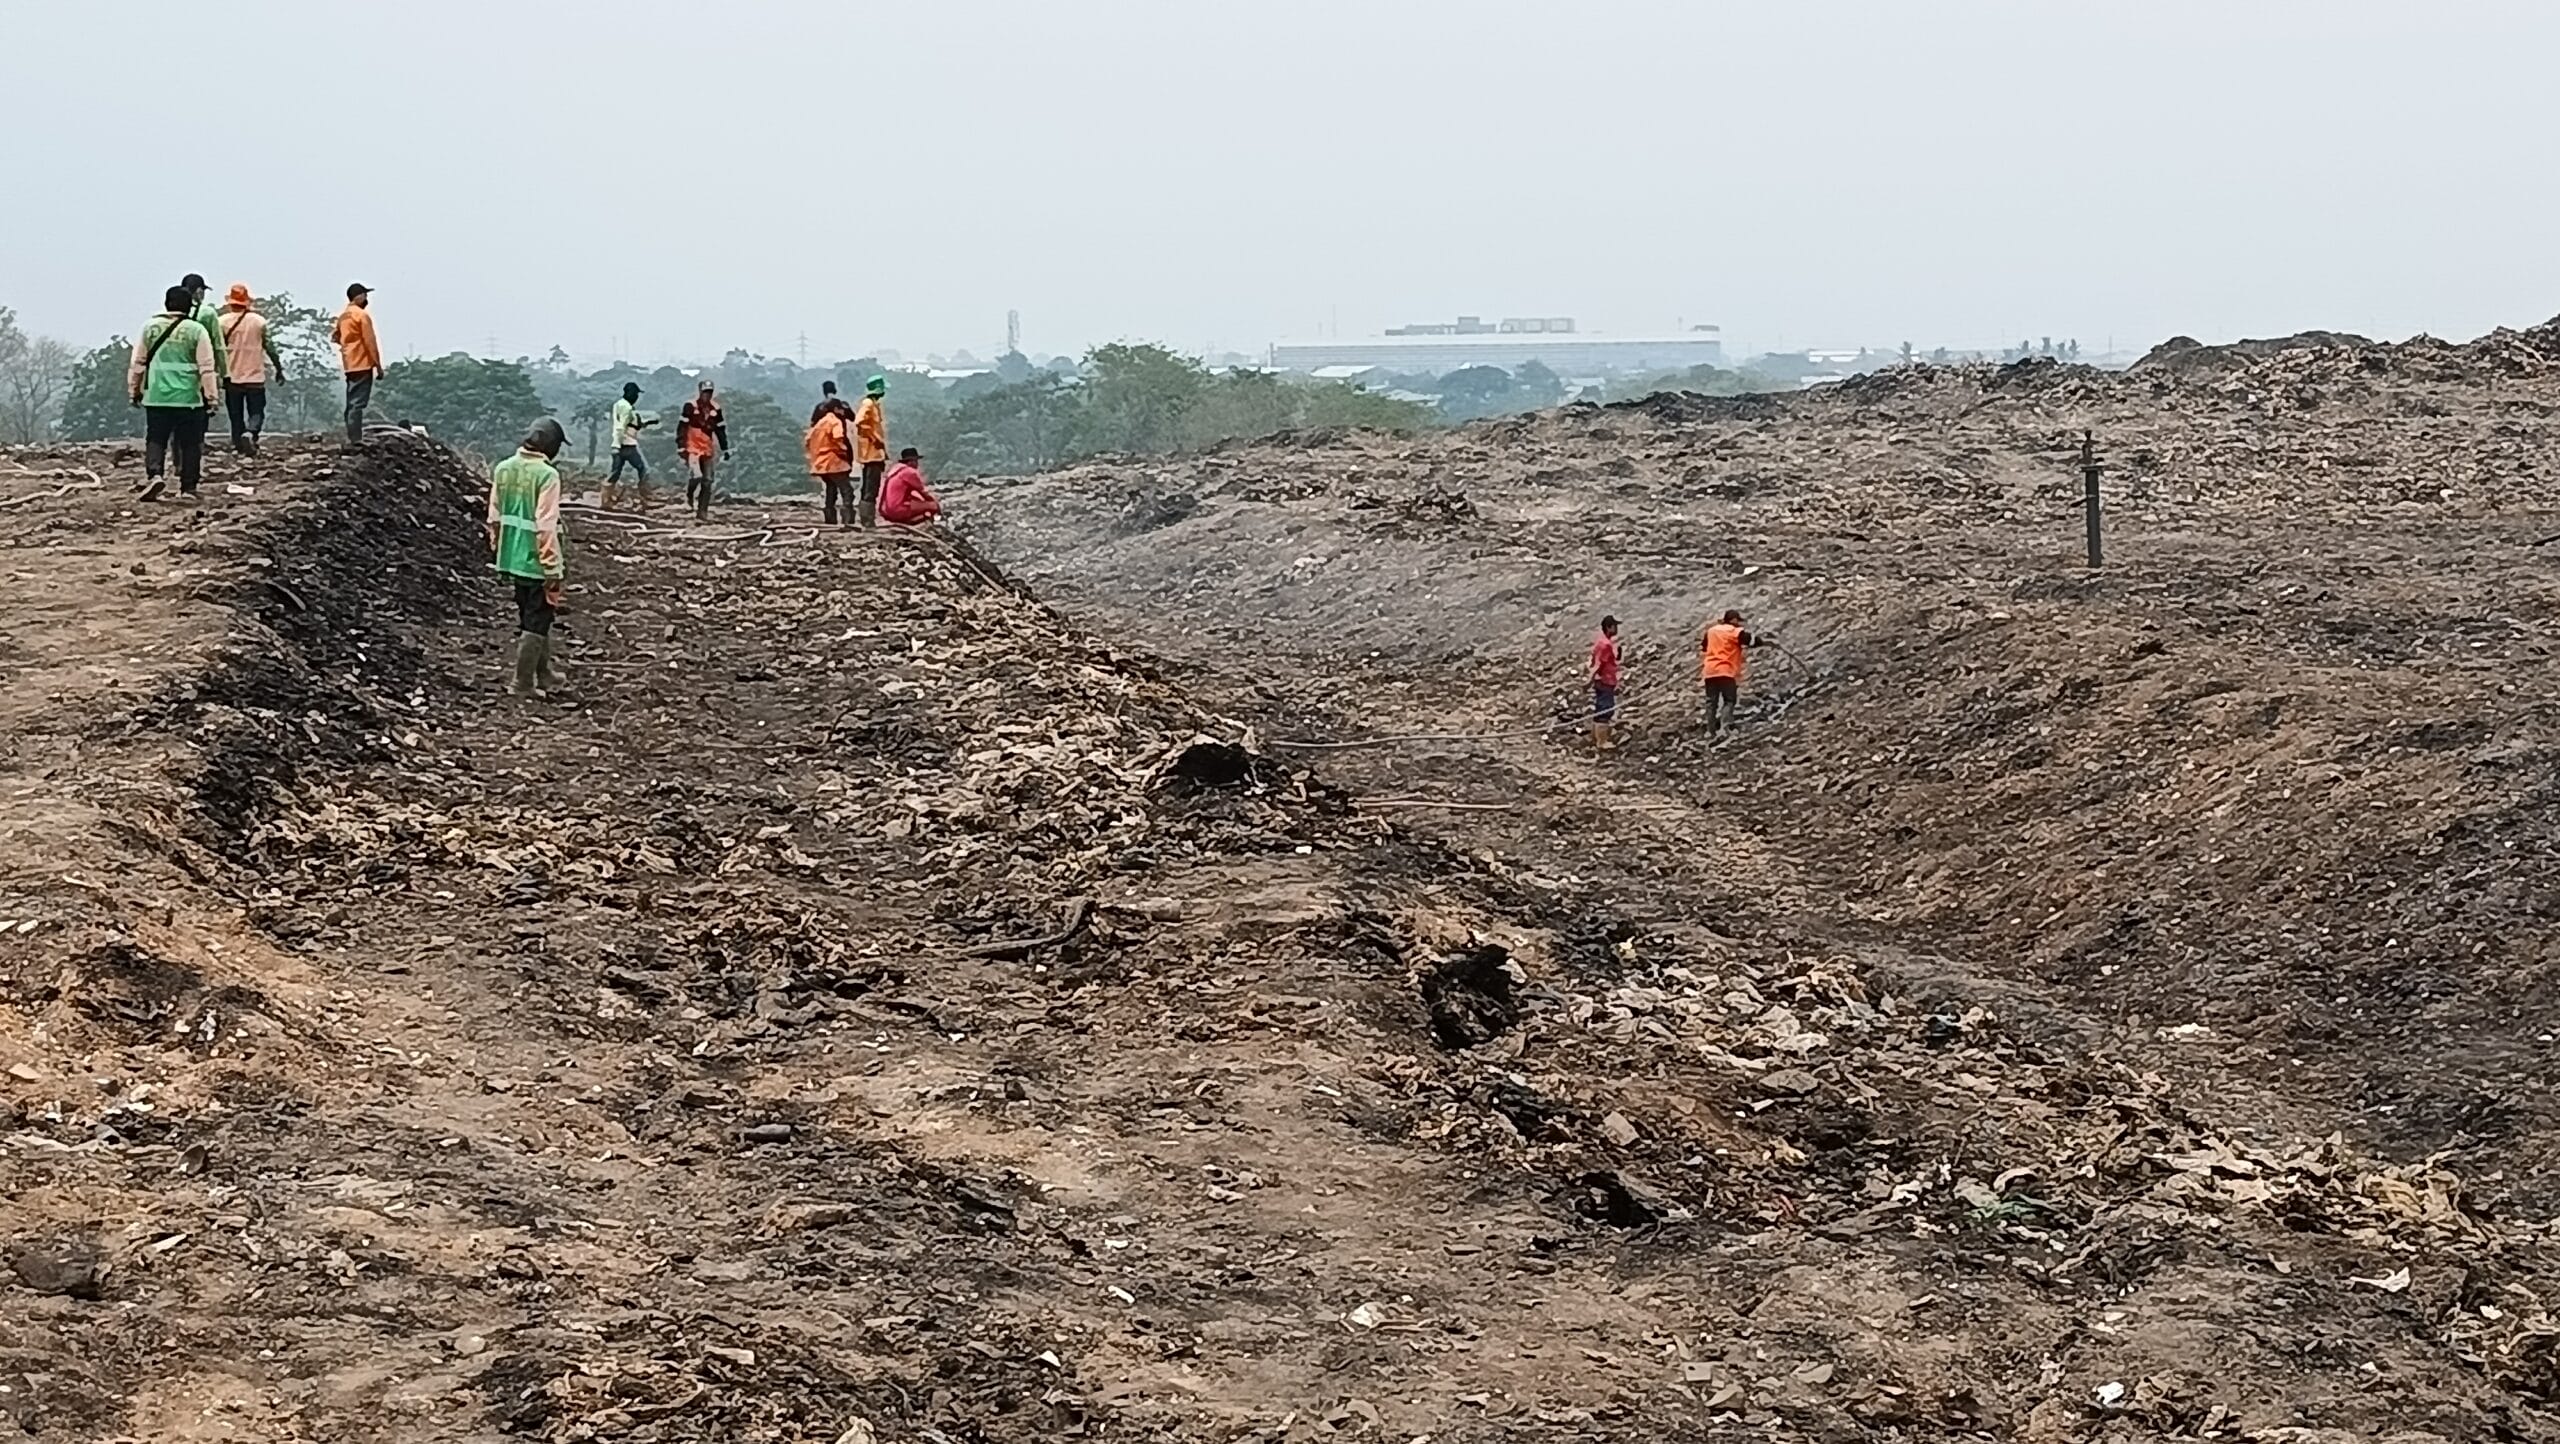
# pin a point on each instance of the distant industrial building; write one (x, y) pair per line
(1552, 341)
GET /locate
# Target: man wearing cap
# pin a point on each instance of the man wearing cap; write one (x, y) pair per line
(248, 351)
(628, 419)
(904, 498)
(697, 427)
(871, 445)
(361, 355)
(524, 536)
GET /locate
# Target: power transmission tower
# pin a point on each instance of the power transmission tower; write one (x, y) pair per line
(804, 350)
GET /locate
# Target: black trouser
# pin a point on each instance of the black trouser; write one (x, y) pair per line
(628, 456)
(1724, 694)
(179, 429)
(247, 403)
(871, 472)
(533, 607)
(839, 488)
(359, 396)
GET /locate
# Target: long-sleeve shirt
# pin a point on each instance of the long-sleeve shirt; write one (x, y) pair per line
(358, 350)
(870, 432)
(626, 424)
(904, 498)
(829, 445)
(180, 371)
(524, 517)
(249, 349)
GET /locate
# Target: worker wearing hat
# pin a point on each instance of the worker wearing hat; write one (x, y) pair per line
(871, 446)
(249, 351)
(360, 353)
(698, 425)
(524, 538)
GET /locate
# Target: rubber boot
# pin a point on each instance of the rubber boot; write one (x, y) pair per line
(547, 680)
(1601, 741)
(528, 663)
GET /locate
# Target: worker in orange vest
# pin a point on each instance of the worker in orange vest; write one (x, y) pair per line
(871, 446)
(1720, 666)
(829, 442)
(698, 426)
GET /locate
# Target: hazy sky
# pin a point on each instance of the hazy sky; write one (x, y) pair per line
(1230, 172)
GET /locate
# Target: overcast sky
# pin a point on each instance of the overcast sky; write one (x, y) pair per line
(899, 173)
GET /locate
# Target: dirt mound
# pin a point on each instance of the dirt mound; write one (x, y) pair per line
(2239, 844)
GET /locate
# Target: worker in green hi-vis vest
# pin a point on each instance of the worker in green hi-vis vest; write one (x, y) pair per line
(524, 533)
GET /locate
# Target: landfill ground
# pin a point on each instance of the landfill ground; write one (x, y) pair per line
(878, 1007)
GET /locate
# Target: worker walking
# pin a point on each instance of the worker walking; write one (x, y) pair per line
(904, 498)
(829, 443)
(871, 445)
(1604, 686)
(173, 377)
(627, 422)
(698, 426)
(360, 356)
(524, 538)
(1720, 667)
(249, 351)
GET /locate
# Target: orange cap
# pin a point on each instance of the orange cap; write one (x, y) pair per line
(239, 294)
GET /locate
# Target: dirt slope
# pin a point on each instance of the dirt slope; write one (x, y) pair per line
(2261, 814)
(879, 1008)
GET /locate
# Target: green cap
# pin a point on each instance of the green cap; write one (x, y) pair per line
(876, 385)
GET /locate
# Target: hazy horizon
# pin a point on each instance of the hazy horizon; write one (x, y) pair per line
(683, 179)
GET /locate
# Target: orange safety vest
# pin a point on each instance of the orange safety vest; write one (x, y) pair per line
(830, 447)
(1720, 654)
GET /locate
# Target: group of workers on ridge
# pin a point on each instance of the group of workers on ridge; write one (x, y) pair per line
(192, 359)
(1720, 664)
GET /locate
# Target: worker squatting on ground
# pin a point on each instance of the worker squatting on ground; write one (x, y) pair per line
(829, 443)
(249, 352)
(1720, 667)
(174, 378)
(871, 445)
(359, 355)
(698, 426)
(1604, 686)
(524, 537)
(628, 419)
(904, 498)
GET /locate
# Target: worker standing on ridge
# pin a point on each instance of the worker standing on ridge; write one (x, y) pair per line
(174, 378)
(830, 447)
(524, 538)
(249, 350)
(904, 498)
(829, 401)
(199, 289)
(627, 422)
(697, 427)
(1604, 686)
(871, 445)
(1720, 666)
(360, 355)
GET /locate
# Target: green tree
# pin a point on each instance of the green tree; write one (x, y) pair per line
(1008, 430)
(589, 412)
(1475, 391)
(1242, 404)
(1137, 395)
(473, 405)
(97, 407)
(1334, 403)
